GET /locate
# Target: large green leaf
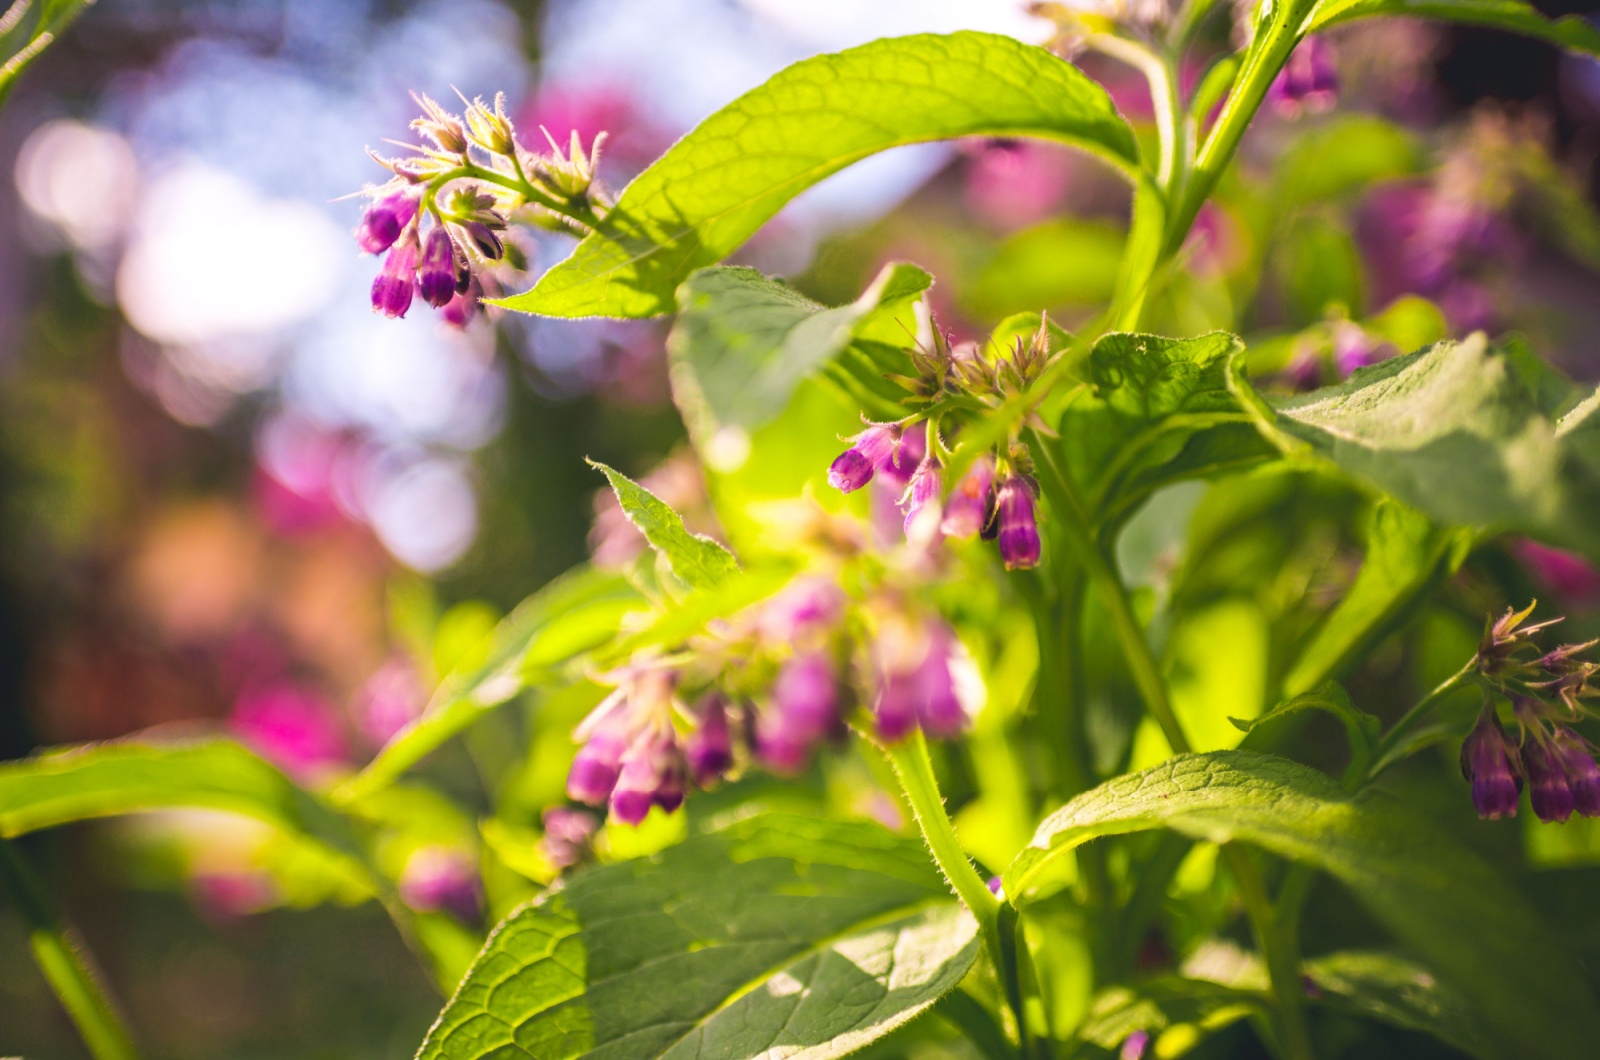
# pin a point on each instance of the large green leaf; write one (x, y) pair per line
(1159, 410)
(1406, 556)
(1477, 934)
(696, 560)
(717, 185)
(1569, 31)
(1387, 987)
(744, 341)
(111, 779)
(1460, 431)
(774, 936)
(573, 614)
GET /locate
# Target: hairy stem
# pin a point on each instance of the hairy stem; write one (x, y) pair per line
(1382, 757)
(65, 965)
(915, 772)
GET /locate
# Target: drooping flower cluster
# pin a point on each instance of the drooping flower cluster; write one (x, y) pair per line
(464, 183)
(768, 688)
(996, 498)
(1547, 690)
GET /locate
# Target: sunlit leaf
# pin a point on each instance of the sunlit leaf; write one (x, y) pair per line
(775, 935)
(697, 561)
(1387, 987)
(1476, 933)
(1569, 31)
(717, 185)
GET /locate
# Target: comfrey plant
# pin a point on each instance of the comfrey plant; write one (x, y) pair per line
(999, 711)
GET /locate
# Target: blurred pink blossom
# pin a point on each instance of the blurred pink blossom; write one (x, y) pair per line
(1015, 183)
(390, 699)
(1567, 574)
(291, 726)
(438, 878)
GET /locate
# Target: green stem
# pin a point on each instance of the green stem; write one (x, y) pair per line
(1265, 58)
(1275, 938)
(1069, 511)
(1414, 717)
(66, 966)
(1163, 96)
(915, 771)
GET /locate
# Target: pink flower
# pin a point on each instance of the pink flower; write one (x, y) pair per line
(290, 726)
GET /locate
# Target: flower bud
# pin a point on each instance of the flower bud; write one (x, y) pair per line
(967, 508)
(869, 451)
(484, 239)
(709, 749)
(436, 271)
(437, 878)
(1583, 775)
(1548, 790)
(392, 287)
(385, 219)
(568, 835)
(652, 775)
(1489, 760)
(595, 769)
(1016, 527)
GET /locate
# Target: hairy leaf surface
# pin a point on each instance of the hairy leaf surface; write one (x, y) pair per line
(775, 935)
(1477, 934)
(1461, 432)
(722, 181)
(698, 561)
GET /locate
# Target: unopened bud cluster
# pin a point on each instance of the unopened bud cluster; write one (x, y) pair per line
(996, 498)
(1548, 690)
(442, 220)
(768, 688)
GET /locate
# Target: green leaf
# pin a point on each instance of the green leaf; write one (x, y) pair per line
(576, 613)
(1569, 31)
(1457, 431)
(1387, 987)
(775, 935)
(112, 779)
(1476, 934)
(1162, 1003)
(1406, 556)
(1159, 411)
(1345, 155)
(744, 341)
(698, 561)
(722, 181)
(1364, 730)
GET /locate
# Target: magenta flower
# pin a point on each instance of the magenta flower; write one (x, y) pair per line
(709, 749)
(1016, 527)
(385, 219)
(1308, 81)
(595, 770)
(1489, 760)
(291, 726)
(923, 492)
(1548, 790)
(568, 835)
(923, 692)
(436, 270)
(653, 774)
(869, 451)
(970, 504)
(1583, 775)
(438, 878)
(389, 700)
(804, 711)
(393, 286)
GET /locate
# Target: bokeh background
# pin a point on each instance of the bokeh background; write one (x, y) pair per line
(232, 497)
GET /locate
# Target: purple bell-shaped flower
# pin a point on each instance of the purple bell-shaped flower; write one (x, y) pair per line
(1489, 760)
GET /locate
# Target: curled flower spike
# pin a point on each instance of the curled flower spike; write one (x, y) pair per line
(1308, 82)
(1016, 526)
(968, 507)
(386, 218)
(1489, 760)
(868, 453)
(393, 286)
